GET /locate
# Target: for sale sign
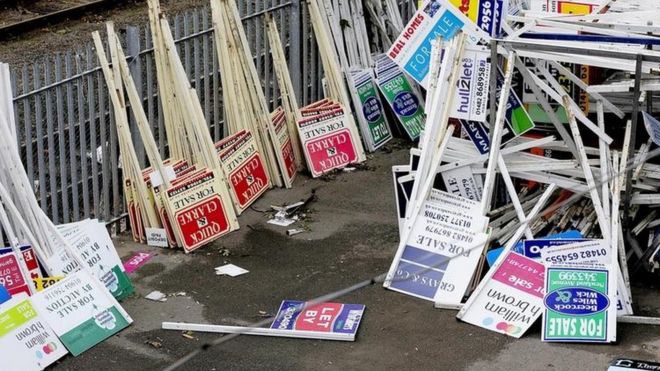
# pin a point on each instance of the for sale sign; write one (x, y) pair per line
(286, 156)
(370, 112)
(400, 96)
(327, 141)
(31, 262)
(412, 49)
(199, 214)
(576, 305)
(26, 339)
(511, 300)
(80, 312)
(245, 170)
(323, 318)
(442, 250)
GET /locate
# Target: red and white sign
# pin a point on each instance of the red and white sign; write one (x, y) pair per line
(282, 139)
(199, 215)
(245, 169)
(327, 140)
(11, 276)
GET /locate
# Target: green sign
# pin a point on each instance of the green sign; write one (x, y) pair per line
(373, 112)
(576, 304)
(405, 104)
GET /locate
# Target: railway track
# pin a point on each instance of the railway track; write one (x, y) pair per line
(52, 17)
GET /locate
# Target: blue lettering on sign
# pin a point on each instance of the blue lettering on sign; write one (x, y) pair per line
(371, 109)
(575, 301)
(446, 26)
(478, 135)
(405, 104)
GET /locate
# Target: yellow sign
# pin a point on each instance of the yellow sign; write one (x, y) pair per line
(43, 283)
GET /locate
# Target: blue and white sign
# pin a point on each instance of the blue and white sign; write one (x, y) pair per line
(532, 248)
(437, 18)
(652, 127)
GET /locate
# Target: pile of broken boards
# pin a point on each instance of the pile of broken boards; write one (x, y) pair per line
(511, 208)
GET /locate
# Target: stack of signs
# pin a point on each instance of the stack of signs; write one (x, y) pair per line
(81, 313)
(164, 237)
(373, 124)
(512, 298)
(327, 141)
(11, 276)
(442, 250)
(399, 94)
(323, 319)
(26, 339)
(412, 49)
(283, 145)
(581, 289)
(199, 213)
(487, 14)
(134, 212)
(244, 167)
(92, 244)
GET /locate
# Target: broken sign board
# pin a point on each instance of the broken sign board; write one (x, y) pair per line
(321, 318)
(327, 141)
(400, 194)
(512, 299)
(200, 215)
(400, 96)
(577, 306)
(442, 250)
(246, 172)
(81, 312)
(437, 18)
(487, 14)
(283, 143)
(372, 116)
(26, 339)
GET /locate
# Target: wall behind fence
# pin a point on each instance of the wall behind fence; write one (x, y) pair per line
(65, 124)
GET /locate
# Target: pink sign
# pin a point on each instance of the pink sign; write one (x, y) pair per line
(136, 261)
(522, 273)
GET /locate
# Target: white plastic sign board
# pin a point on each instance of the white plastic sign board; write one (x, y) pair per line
(473, 85)
(442, 250)
(156, 237)
(625, 364)
(412, 49)
(80, 312)
(512, 300)
(462, 182)
(27, 340)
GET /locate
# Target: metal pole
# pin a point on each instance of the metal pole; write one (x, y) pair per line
(633, 138)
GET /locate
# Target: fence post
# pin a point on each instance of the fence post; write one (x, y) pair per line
(295, 47)
(135, 66)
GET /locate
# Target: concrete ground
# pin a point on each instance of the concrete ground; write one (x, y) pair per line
(353, 237)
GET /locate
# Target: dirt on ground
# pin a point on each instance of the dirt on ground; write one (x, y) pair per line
(352, 237)
(72, 34)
